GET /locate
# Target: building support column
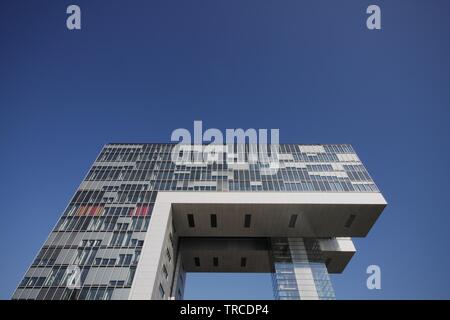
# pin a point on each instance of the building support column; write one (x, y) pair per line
(299, 271)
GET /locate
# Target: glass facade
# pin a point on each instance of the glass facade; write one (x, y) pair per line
(302, 168)
(102, 230)
(299, 270)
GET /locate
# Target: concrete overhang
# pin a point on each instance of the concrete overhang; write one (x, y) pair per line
(319, 215)
(337, 253)
(226, 254)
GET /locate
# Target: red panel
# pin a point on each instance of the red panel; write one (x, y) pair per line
(141, 211)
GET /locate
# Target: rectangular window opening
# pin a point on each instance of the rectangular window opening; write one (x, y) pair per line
(247, 220)
(191, 222)
(213, 221)
(292, 221)
(350, 220)
(161, 291)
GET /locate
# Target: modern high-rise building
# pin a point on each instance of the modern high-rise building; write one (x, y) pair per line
(140, 221)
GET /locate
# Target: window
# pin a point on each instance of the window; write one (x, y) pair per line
(131, 276)
(24, 282)
(47, 256)
(191, 222)
(247, 220)
(85, 256)
(137, 243)
(137, 223)
(137, 255)
(125, 259)
(122, 226)
(117, 283)
(349, 221)
(161, 291)
(120, 239)
(165, 273)
(243, 261)
(213, 221)
(96, 293)
(197, 261)
(169, 257)
(215, 261)
(33, 282)
(292, 221)
(171, 239)
(57, 277)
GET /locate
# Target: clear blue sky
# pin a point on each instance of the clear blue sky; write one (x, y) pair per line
(139, 69)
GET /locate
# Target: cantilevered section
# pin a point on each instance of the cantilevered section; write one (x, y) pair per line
(252, 254)
(253, 215)
(317, 214)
